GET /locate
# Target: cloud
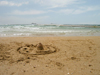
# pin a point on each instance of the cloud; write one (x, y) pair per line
(66, 11)
(12, 3)
(56, 3)
(30, 12)
(79, 10)
(85, 9)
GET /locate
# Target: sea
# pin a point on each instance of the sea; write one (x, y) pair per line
(34, 30)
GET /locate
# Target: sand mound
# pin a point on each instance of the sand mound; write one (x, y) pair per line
(38, 49)
(4, 52)
(27, 51)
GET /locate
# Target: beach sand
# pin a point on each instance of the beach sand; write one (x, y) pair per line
(59, 56)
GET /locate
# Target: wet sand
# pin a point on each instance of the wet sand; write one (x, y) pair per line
(59, 55)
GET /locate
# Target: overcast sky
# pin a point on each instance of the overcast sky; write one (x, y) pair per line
(50, 11)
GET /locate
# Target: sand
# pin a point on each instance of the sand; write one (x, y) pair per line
(59, 55)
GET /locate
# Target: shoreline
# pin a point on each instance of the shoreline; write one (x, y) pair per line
(47, 30)
(44, 36)
(70, 55)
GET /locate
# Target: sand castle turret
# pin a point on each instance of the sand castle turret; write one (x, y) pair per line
(40, 46)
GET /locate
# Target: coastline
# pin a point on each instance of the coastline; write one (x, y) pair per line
(21, 30)
(75, 55)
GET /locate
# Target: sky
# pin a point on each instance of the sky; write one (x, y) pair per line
(50, 11)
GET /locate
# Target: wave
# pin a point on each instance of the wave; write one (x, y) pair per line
(55, 30)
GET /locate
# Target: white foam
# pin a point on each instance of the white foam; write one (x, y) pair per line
(38, 30)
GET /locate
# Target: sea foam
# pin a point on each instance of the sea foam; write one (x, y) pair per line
(24, 30)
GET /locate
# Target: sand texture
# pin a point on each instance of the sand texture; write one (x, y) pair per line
(50, 55)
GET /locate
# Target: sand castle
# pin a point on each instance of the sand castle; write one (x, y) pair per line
(28, 51)
(38, 49)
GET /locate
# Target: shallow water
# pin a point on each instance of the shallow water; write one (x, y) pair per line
(24, 30)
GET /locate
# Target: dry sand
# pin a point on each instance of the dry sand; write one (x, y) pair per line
(59, 56)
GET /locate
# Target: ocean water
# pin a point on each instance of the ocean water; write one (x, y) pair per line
(30, 30)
